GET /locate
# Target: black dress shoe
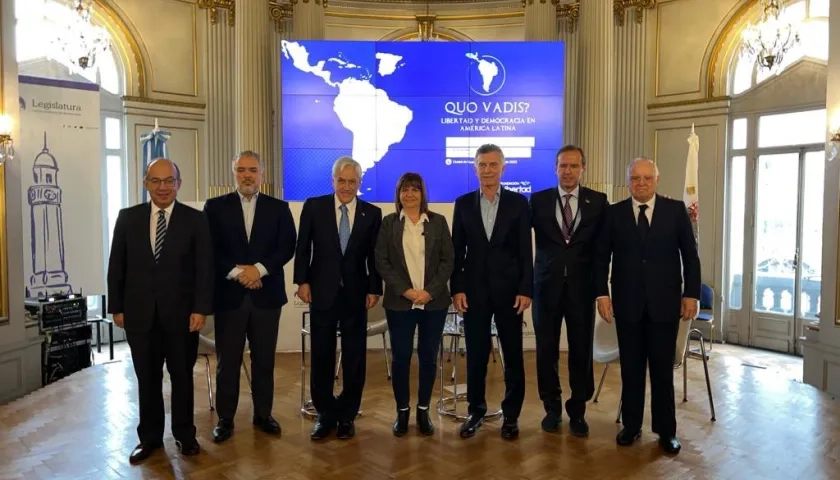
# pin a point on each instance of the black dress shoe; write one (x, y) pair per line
(626, 437)
(551, 422)
(579, 427)
(143, 451)
(510, 429)
(670, 445)
(471, 426)
(268, 425)
(345, 430)
(189, 447)
(401, 425)
(322, 429)
(223, 430)
(424, 423)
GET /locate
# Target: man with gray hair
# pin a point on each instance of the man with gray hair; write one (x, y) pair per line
(335, 271)
(253, 238)
(655, 285)
(492, 282)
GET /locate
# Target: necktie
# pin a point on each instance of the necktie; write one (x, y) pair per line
(160, 232)
(643, 223)
(567, 218)
(344, 228)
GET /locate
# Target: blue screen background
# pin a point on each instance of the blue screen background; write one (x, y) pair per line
(433, 94)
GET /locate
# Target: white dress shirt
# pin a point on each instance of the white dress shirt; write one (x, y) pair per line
(414, 246)
(573, 205)
(351, 211)
(648, 213)
(248, 209)
(154, 219)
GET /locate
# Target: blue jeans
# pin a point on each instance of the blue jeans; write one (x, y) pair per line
(401, 326)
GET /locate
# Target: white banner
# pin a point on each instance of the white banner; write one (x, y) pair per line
(62, 197)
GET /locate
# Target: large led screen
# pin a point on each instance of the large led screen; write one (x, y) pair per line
(422, 107)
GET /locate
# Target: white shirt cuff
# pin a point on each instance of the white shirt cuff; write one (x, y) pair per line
(233, 273)
(263, 271)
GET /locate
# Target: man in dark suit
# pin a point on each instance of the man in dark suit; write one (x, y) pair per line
(160, 288)
(492, 281)
(336, 275)
(253, 238)
(567, 220)
(655, 285)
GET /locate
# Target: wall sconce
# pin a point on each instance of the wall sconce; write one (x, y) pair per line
(835, 144)
(7, 145)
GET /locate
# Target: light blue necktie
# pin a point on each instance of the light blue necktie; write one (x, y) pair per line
(344, 228)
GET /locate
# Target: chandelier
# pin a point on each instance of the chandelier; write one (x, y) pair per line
(79, 40)
(769, 40)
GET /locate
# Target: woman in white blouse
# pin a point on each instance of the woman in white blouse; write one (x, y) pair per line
(415, 257)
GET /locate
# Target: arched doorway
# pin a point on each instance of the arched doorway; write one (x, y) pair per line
(775, 172)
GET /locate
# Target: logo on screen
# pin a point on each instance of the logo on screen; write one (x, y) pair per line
(487, 74)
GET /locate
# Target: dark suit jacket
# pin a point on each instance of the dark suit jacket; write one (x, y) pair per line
(179, 284)
(391, 265)
(648, 274)
(555, 260)
(272, 244)
(318, 258)
(498, 269)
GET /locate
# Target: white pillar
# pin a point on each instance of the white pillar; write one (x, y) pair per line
(597, 91)
(253, 82)
(569, 34)
(540, 20)
(630, 106)
(308, 19)
(282, 16)
(221, 105)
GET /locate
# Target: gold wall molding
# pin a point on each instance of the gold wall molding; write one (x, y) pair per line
(439, 34)
(214, 5)
(440, 18)
(425, 25)
(114, 22)
(158, 101)
(736, 20)
(531, 2)
(570, 12)
(620, 9)
(4, 254)
(323, 3)
(683, 103)
(280, 12)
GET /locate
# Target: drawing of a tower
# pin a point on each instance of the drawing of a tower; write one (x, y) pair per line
(47, 233)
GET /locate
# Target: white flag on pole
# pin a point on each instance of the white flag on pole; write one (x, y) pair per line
(690, 192)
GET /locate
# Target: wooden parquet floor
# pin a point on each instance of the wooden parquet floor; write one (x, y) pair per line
(769, 426)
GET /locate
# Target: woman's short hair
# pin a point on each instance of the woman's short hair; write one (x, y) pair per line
(412, 179)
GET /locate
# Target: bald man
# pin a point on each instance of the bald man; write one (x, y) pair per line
(160, 287)
(655, 285)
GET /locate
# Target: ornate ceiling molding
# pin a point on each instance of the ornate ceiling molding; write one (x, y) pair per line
(570, 12)
(214, 5)
(620, 9)
(316, 2)
(280, 12)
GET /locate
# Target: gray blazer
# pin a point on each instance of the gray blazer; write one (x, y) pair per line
(390, 262)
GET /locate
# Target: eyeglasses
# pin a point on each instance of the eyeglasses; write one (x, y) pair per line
(156, 182)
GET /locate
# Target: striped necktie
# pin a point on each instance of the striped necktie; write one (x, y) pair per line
(160, 232)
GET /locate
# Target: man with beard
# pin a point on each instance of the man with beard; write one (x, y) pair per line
(253, 238)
